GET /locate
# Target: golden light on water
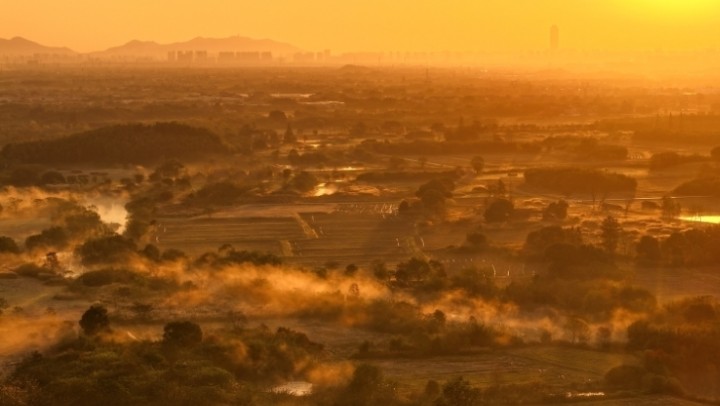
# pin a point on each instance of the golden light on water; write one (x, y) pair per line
(709, 219)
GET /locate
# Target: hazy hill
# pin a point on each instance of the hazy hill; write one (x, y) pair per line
(18, 46)
(120, 144)
(211, 45)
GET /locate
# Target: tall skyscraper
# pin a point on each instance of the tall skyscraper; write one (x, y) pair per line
(554, 38)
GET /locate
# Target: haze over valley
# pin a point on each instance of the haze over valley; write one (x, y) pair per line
(352, 204)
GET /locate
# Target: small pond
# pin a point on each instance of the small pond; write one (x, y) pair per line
(709, 219)
(295, 388)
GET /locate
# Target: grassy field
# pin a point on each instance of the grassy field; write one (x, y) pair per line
(644, 401)
(675, 283)
(548, 365)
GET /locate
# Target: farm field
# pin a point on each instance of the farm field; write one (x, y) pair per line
(553, 366)
(198, 235)
(355, 238)
(352, 233)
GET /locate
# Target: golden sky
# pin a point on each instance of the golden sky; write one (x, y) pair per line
(386, 25)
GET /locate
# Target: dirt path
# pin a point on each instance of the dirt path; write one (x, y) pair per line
(307, 229)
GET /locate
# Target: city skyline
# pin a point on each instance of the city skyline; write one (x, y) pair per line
(372, 25)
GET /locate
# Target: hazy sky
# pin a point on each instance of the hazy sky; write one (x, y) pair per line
(388, 25)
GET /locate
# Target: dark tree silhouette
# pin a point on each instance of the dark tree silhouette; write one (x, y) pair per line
(413, 270)
(53, 237)
(478, 164)
(168, 169)
(366, 385)
(556, 210)
(648, 249)
(610, 234)
(578, 329)
(52, 178)
(130, 143)
(152, 253)
(277, 115)
(219, 193)
(351, 270)
(568, 181)
(403, 207)
(459, 392)
(670, 208)
(8, 245)
(289, 137)
(499, 211)
(95, 320)
(304, 182)
(114, 248)
(182, 334)
(715, 153)
(434, 193)
(476, 240)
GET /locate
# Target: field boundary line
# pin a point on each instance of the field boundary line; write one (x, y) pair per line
(307, 229)
(415, 251)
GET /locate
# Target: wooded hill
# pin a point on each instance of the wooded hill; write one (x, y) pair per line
(120, 144)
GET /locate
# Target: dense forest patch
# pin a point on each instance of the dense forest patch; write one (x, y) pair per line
(120, 144)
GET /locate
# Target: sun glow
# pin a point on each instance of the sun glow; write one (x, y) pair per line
(377, 25)
(676, 8)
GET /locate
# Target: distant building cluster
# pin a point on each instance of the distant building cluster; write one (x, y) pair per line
(245, 56)
(203, 56)
(310, 57)
(248, 57)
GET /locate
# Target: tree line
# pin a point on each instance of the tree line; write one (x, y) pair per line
(119, 144)
(569, 181)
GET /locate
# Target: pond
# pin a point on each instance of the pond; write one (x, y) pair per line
(294, 388)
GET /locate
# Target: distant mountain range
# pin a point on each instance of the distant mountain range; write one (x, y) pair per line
(22, 47)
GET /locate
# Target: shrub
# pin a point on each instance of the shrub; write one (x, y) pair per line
(499, 211)
(111, 249)
(95, 320)
(625, 377)
(8, 245)
(182, 334)
(53, 237)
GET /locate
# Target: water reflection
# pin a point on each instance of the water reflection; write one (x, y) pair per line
(295, 388)
(710, 219)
